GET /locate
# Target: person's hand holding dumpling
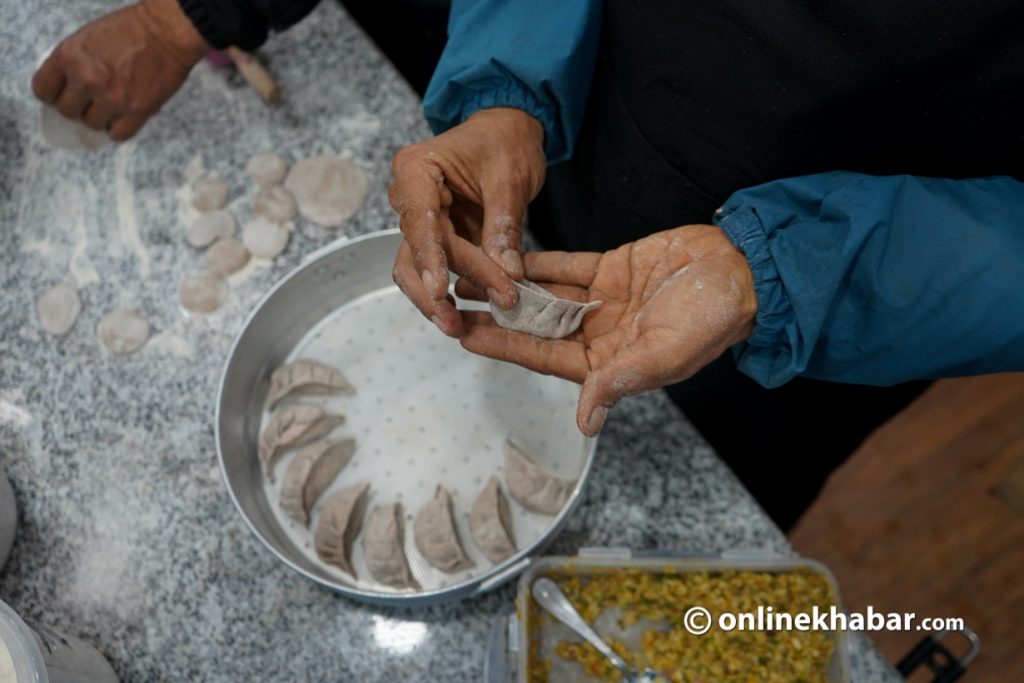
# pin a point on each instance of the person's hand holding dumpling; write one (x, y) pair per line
(672, 302)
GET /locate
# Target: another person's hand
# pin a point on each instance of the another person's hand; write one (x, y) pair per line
(117, 71)
(468, 186)
(673, 302)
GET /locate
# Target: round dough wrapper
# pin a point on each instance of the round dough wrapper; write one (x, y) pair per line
(209, 227)
(226, 256)
(64, 133)
(275, 204)
(267, 169)
(264, 238)
(123, 331)
(209, 194)
(203, 292)
(328, 190)
(58, 308)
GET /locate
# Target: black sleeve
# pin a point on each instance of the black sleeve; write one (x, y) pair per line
(243, 23)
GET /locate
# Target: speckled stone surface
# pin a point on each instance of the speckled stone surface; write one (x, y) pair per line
(127, 536)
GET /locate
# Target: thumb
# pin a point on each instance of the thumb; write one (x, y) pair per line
(623, 375)
(504, 210)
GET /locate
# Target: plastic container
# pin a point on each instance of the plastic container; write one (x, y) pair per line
(8, 519)
(37, 654)
(509, 647)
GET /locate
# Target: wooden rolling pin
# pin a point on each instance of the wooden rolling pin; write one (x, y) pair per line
(254, 74)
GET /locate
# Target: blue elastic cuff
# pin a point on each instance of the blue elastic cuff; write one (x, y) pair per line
(759, 354)
(500, 92)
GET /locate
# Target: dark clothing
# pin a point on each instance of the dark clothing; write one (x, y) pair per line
(692, 101)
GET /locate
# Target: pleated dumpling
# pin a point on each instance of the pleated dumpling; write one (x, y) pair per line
(490, 523)
(435, 535)
(382, 545)
(306, 378)
(292, 427)
(309, 474)
(533, 487)
(541, 313)
(340, 520)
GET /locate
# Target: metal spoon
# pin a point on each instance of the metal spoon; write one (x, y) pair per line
(549, 596)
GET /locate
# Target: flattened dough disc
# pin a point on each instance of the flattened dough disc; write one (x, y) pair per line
(328, 190)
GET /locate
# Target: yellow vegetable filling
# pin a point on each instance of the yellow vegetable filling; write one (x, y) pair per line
(718, 656)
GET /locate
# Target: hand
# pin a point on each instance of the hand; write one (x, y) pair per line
(673, 302)
(470, 185)
(117, 71)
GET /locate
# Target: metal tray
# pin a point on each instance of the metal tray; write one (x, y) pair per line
(508, 646)
(425, 412)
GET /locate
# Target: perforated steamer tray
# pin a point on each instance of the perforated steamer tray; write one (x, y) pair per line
(425, 412)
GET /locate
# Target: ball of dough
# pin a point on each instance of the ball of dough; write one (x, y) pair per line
(209, 194)
(209, 227)
(203, 292)
(64, 133)
(123, 331)
(267, 169)
(58, 309)
(264, 238)
(328, 190)
(275, 204)
(226, 256)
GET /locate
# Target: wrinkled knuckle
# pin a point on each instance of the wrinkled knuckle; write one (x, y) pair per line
(92, 78)
(404, 156)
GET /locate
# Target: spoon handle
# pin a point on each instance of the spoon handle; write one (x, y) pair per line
(549, 596)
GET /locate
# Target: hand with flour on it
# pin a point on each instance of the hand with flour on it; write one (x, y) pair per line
(117, 71)
(468, 186)
(673, 302)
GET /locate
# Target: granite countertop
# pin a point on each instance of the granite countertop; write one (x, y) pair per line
(127, 537)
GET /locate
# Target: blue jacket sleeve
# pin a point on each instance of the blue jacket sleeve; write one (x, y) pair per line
(878, 280)
(534, 55)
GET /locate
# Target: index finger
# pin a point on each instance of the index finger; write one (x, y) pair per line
(562, 267)
(416, 195)
(558, 357)
(48, 81)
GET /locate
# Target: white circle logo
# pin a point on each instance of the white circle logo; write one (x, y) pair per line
(697, 621)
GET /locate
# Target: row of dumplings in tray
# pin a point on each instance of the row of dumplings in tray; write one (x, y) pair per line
(315, 467)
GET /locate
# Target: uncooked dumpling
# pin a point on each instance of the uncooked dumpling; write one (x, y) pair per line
(328, 190)
(309, 474)
(532, 486)
(209, 193)
(382, 545)
(340, 520)
(541, 313)
(275, 203)
(203, 292)
(435, 535)
(226, 256)
(305, 378)
(292, 427)
(490, 523)
(123, 331)
(209, 227)
(267, 169)
(264, 238)
(58, 309)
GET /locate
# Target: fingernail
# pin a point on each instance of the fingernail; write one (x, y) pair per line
(429, 282)
(512, 262)
(596, 420)
(437, 321)
(494, 297)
